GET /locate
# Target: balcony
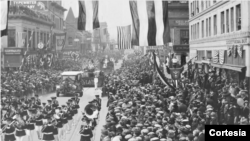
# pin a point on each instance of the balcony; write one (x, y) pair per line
(25, 13)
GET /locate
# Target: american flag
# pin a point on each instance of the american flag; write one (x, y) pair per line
(124, 37)
(215, 56)
(240, 49)
(222, 52)
(229, 50)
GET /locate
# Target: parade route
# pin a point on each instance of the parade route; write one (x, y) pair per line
(88, 95)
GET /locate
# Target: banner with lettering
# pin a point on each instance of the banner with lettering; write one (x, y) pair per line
(176, 73)
(34, 5)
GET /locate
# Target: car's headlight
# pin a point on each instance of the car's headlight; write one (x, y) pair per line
(57, 86)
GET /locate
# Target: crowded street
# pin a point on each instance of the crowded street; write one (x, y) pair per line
(125, 70)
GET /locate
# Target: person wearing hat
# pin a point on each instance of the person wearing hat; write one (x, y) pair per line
(9, 132)
(54, 102)
(48, 130)
(39, 122)
(30, 123)
(20, 128)
(37, 100)
(85, 132)
(99, 102)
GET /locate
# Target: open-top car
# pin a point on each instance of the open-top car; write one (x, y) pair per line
(71, 83)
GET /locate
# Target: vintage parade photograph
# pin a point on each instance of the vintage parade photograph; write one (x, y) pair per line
(125, 70)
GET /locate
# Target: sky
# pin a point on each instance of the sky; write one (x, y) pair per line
(114, 12)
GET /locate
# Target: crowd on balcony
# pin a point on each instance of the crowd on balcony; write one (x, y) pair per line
(153, 111)
(26, 11)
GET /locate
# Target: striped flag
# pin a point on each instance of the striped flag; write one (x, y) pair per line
(160, 74)
(222, 58)
(150, 22)
(215, 56)
(88, 15)
(124, 37)
(4, 4)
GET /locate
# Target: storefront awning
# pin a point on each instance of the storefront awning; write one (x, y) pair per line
(228, 66)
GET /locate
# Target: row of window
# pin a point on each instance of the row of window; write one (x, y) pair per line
(22, 39)
(198, 6)
(228, 22)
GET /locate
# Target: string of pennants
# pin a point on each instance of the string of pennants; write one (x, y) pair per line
(219, 55)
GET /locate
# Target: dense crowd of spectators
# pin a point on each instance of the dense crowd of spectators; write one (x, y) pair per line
(151, 111)
(24, 83)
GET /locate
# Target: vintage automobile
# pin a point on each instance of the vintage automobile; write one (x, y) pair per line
(71, 84)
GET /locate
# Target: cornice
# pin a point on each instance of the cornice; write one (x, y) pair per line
(208, 10)
(32, 19)
(242, 34)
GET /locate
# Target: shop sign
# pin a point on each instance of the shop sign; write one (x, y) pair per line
(35, 5)
(12, 51)
(181, 22)
(155, 48)
(237, 41)
(182, 48)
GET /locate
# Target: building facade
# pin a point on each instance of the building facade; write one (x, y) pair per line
(31, 23)
(179, 28)
(219, 37)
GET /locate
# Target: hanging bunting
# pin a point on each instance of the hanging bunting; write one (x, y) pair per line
(215, 56)
(240, 50)
(229, 50)
(222, 58)
(235, 51)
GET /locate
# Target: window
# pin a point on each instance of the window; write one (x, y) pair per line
(206, 27)
(202, 5)
(227, 21)
(34, 40)
(232, 19)
(192, 9)
(44, 39)
(25, 38)
(222, 23)
(238, 17)
(70, 40)
(209, 26)
(197, 6)
(41, 37)
(48, 39)
(184, 36)
(198, 31)
(29, 41)
(202, 29)
(37, 39)
(11, 38)
(215, 24)
(209, 54)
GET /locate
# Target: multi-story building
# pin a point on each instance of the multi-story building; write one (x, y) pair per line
(220, 31)
(179, 29)
(74, 38)
(31, 23)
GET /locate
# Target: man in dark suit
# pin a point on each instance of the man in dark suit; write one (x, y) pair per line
(86, 133)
